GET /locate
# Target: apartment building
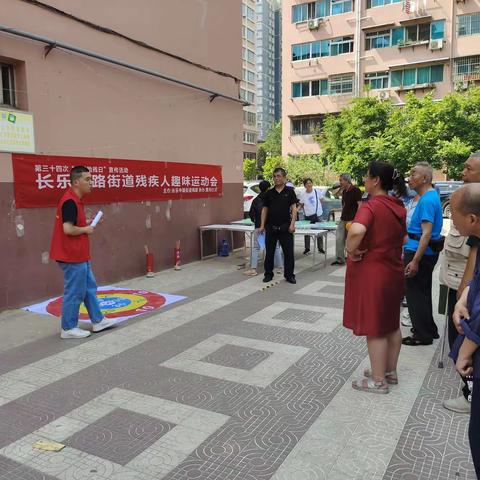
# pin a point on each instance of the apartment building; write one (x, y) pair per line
(268, 64)
(248, 85)
(336, 49)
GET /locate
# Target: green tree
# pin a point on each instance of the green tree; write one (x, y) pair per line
(272, 146)
(271, 163)
(347, 139)
(306, 166)
(250, 169)
(441, 132)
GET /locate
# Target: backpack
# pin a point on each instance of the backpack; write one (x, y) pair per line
(453, 259)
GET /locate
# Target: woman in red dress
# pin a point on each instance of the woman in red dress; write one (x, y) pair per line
(374, 283)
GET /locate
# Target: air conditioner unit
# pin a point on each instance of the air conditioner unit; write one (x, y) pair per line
(436, 44)
(384, 95)
(315, 23)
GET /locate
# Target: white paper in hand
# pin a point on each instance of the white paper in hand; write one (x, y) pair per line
(97, 218)
(261, 241)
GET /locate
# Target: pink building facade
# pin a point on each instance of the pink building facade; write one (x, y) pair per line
(336, 49)
(88, 108)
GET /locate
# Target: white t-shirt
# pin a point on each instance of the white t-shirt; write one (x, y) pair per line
(312, 202)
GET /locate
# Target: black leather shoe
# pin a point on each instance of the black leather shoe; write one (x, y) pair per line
(267, 278)
(292, 280)
(321, 250)
(306, 251)
(336, 262)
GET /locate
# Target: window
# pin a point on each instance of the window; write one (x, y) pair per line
(468, 24)
(377, 39)
(340, 6)
(467, 68)
(417, 33)
(243, 94)
(250, 56)
(306, 125)
(250, 35)
(341, 45)
(249, 137)
(324, 48)
(248, 12)
(341, 84)
(249, 118)
(322, 8)
(333, 86)
(376, 80)
(7, 85)
(380, 3)
(249, 156)
(416, 76)
(250, 97)
(248, 76)
(437, 29)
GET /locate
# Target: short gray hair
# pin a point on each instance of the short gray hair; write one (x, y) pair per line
(347, 177)
(428, 170)
(469, 199)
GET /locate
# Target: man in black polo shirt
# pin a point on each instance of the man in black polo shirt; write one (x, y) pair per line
(278, 221)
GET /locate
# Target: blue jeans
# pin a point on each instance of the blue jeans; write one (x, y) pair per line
(79, 286)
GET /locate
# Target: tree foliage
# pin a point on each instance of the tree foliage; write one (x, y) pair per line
(272, 146)
(441, 132)
(250, 169)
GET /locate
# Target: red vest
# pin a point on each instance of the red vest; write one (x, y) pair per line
(68, 248)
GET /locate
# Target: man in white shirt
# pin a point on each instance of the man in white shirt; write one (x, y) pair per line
(310, 201)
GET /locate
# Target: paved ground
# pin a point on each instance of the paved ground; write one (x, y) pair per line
(236, 382)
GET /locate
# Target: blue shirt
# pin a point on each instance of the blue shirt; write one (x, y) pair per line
(429, 209)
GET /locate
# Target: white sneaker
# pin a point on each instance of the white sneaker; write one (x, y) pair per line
(458, 405)
(105, 323)
(74, 333)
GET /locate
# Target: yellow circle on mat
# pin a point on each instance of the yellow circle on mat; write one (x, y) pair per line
(136, 301)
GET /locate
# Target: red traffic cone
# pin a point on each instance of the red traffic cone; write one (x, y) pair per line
(176, 255)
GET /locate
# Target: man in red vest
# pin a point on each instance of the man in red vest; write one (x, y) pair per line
(71, 249)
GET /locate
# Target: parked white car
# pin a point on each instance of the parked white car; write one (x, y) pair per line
(250, 191)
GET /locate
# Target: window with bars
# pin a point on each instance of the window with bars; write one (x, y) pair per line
(376, 80)
(466, 69)
(7, 85)
(340, 84)
(334, 85)
(468, 24)
(306, 125)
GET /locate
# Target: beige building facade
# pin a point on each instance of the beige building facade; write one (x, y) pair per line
(336, 49)
(84, 107)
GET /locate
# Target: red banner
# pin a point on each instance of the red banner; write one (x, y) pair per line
(40, 179)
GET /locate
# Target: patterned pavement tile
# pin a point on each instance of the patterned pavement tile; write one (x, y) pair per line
(434, 442)
(237, 384)
(237, 357)
(119, 436)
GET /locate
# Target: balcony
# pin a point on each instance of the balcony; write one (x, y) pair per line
(467, 77)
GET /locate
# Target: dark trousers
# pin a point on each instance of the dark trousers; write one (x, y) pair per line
(313, 219)
(419, 297)
(453, 334)
(286, 242)
(474, 428)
